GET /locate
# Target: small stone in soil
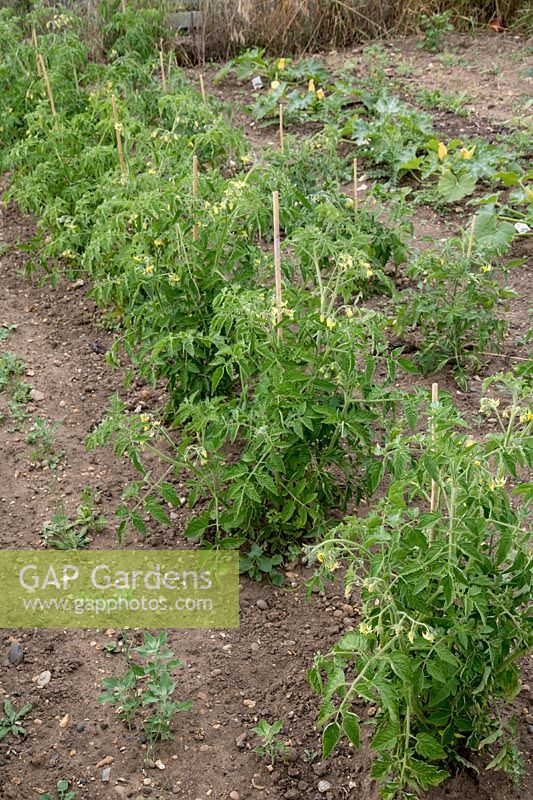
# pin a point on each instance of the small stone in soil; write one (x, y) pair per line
(80, 727)
(15, 654)
(324, 786)
(234, 795)
(43, 679)
(106, 774)
(530, 728)
(262, 605)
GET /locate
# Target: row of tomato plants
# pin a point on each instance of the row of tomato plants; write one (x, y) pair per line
(281, 424)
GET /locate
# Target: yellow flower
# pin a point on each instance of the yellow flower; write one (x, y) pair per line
(151, 171)
(320, 94)
(442, 152)
(469, 442)
(330, 323)
(465, 153)
(145, 418)
(349, 313)
(320, 558)
(149, 269)
(173, 278)
(365, 629)
(246, 158)
(158, 242)
(428, 636)
(274, 85)
(486, 268)
(281, 63)
(369, 273)
(311, 86)
(526, 417)
(411, 635)
(154, 134)
(477, 463)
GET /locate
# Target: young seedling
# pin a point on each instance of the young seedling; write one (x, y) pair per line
(10, 724)
(62, 792)
(147, 686)
(271, 746)
(41, 436)
(64, 533)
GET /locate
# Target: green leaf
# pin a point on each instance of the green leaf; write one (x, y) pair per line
(386, 737)
(197, 525)
(428, 747)
(455, 187)
(168, 493)
(152, 507)
(330, 737)
(350, 724)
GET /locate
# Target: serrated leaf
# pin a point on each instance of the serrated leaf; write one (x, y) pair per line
(350, 725)
(428, 747)
(330, 737)
(385, 737)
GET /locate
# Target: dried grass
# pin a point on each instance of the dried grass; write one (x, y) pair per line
(285, 26)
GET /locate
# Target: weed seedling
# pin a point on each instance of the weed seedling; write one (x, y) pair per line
(10, 724)
(271, 746)
(64, 533)
(435, 29)
(41, 436)
(146, 689)
(62, 792)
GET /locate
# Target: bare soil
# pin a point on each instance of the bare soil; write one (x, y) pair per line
(233, 677)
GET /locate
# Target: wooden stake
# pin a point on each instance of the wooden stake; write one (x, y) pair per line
(471, 238)
(355, 186)
(277, 259)
(34, 40)
(281, 135)
(195, 192)
(47, 82)
(162, 63)
(202, 87)
(433, 500)
(117, 133)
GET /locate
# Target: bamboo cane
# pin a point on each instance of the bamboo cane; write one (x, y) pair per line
(117, 133)
(277, 259)
(35, 44)
(195, 192)
(47, 83)
(281, 132)
(355, 187)
(162, 64)
(471, 237)
(202, 87)
(433, 499)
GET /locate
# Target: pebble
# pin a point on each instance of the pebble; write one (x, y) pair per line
(262, 604)
(105, 762)
(36, 395)
(234, 795)
(530, 729)
(324, 786)
(15, 654)
(106, 774)
(80, 727)
(240, 741)
(43, 679)
(290, 754)
(254, 647)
